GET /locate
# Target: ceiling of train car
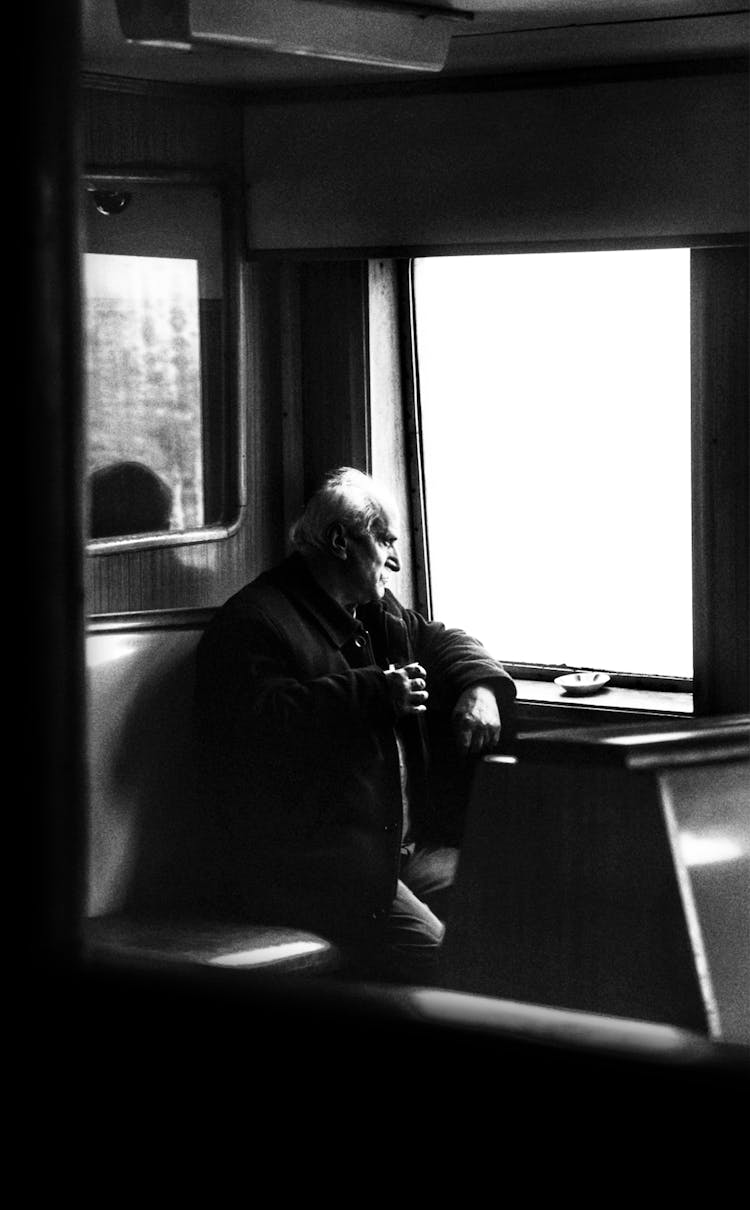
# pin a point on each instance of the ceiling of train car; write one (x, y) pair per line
(487, 37)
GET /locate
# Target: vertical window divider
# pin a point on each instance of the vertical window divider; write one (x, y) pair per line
(413, 437)
(721, 491)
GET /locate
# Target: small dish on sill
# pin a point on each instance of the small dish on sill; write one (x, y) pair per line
(579, 684)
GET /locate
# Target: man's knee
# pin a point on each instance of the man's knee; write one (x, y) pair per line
(430, 869)
(411, 922)
(408, 949)
(430, 873)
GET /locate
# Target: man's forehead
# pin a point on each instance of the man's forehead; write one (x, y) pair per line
(387, 521)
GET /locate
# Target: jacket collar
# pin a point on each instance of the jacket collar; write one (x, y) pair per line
(302, 587)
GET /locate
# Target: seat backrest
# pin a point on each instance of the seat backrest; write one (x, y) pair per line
(605, 870)
(151, 832)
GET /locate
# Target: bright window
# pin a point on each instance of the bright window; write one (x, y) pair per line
(555, 413)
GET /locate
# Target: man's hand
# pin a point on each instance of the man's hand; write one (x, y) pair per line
(476, 720)
(408, 688)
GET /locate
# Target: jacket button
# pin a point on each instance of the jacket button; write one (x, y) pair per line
(389, 827)
(359, 642)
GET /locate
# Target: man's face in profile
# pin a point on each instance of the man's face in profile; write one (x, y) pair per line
(371, 556)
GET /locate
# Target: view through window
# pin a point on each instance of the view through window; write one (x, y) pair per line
(144, 393)
(555, 412)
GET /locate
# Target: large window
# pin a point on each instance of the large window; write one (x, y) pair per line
(555, 416)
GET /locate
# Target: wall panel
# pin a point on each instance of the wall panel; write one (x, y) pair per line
(634, 158)
(334, 380)
(720, 291)
(163, 127)
(177, 128)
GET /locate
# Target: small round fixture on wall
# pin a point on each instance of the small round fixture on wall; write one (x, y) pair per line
(110, 201)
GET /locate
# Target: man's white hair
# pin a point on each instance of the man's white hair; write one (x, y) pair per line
(346, 496)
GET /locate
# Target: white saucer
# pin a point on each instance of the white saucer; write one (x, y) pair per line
(578, 684)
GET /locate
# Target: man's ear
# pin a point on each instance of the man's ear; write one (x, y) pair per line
(337, 540)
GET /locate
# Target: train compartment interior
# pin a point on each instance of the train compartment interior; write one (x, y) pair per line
(255, 187)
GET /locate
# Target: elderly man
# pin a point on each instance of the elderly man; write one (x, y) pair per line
(317, 690)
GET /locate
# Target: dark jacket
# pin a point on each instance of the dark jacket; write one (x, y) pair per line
(299, 727)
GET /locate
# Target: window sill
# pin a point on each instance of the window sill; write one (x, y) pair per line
(544, 700)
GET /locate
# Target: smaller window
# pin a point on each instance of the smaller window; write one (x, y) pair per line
(157, 387)
(143, 369)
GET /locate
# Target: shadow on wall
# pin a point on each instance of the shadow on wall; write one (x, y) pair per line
(155, 845)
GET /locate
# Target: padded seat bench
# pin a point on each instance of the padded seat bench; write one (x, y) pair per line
(266, 948)
(154, 865)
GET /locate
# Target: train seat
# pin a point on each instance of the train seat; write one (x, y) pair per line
(235, 946)
(155, 892)
(640, 838)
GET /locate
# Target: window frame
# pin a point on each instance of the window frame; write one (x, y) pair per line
(231, 422)
(717, 394)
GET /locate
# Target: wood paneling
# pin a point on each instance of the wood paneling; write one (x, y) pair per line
(177, 128)
(333, 353)
(181, 129)
(290, 336)
(721, 483)
(177, 577)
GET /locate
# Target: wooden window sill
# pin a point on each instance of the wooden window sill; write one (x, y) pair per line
(544, 700)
